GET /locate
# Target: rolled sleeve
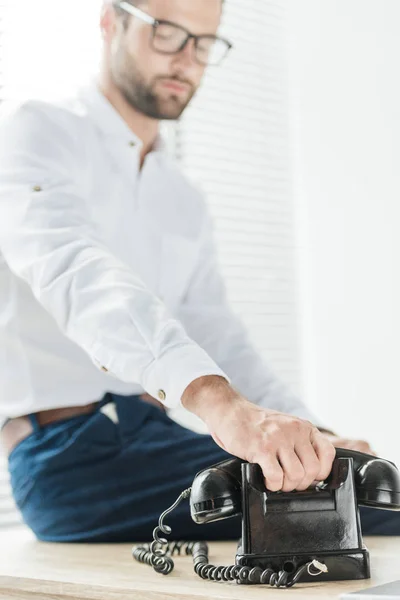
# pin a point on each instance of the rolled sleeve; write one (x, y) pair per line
(48, 239)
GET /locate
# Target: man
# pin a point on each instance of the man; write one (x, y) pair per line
(111, 301)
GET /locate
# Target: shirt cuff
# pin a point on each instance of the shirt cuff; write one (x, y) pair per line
(167, 377)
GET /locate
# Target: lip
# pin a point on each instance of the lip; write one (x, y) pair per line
(173, 85)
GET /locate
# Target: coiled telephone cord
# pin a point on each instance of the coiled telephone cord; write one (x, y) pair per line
(158, 555)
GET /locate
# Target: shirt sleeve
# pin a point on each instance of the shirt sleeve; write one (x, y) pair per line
(209, 319)
(48, 239)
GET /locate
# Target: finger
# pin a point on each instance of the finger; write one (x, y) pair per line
(339, 442)
(326, 454)
(293, 470)
(359, 445)
(272, 470)
(362, 446)
(311, 464)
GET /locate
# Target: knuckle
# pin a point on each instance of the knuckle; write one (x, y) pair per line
(311, 474)
(315, 462)
(303, 429)
(304, 424)
(274, 432)
(267, 446)
(313, 470)
(296, 424)
(296, 474)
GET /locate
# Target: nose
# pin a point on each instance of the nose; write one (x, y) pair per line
(186, 57)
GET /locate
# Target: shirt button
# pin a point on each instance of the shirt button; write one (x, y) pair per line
(37, 188)
(161, 395)
(132, 144)
(104, 369)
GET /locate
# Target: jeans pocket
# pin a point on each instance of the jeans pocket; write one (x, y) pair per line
(21, 488)
(19, 447)
(76, 443)
(21, 473)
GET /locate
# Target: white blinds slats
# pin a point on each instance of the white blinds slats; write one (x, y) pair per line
(234, 142)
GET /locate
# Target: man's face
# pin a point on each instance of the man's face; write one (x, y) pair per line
(157, 85)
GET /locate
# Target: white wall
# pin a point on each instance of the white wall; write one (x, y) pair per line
(344, 58)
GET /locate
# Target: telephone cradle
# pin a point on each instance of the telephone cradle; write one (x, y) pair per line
(287, 537)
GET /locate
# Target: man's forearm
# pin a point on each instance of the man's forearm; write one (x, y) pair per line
(207, 393)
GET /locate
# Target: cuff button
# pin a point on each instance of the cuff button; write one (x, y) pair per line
(161, 395)
(104, 370)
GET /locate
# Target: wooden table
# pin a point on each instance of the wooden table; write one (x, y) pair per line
(31, 569)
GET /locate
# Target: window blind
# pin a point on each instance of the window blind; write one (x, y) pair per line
(234, 142)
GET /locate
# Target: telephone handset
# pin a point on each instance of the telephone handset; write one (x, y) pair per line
(286, 536)
(216, 491)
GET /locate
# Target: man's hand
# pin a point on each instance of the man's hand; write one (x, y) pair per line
(339, 442)
(291, 452)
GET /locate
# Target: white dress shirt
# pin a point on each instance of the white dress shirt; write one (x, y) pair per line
(108, 272)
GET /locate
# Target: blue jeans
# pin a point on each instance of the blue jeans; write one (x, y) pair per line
(89, 479)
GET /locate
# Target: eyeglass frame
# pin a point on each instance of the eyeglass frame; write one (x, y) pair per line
(140, 14)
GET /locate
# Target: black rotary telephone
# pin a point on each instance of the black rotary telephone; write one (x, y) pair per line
(286, 536)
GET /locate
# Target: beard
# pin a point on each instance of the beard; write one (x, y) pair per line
(142, 95)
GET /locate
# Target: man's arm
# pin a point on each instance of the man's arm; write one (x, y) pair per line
(209, 320)
(48, 239)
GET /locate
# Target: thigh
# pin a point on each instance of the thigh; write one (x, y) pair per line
(379, 522)
(106, 479)
(156, 465)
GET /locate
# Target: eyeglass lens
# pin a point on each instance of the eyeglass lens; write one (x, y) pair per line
(169, 39)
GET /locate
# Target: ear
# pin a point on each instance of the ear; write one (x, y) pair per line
(107, 20)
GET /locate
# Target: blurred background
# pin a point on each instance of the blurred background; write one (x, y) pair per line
(296, 143)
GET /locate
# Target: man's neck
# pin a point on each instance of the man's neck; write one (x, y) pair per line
(145, 128)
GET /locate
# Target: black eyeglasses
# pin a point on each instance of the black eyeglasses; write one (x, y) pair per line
(170, 38)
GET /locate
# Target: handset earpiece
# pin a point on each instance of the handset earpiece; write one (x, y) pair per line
(216, 492)
(377, 480)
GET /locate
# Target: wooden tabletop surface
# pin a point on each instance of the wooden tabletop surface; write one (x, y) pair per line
(31, 569)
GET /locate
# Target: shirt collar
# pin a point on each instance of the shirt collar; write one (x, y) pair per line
(108, 119)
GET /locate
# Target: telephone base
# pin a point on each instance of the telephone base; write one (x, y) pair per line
(341, 565)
